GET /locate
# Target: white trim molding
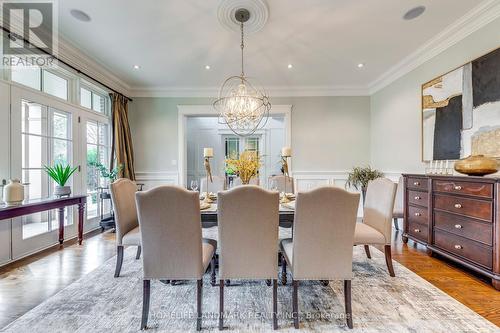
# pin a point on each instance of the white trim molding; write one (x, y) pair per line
(152, 179)
(486, 12)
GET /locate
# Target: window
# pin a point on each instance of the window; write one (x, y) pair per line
(46, 140)
(98, 152)
(28, 76)
(55, 85)
(92, 100)
(232, 147)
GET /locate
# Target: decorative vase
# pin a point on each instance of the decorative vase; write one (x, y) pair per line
(13, 193)
(477, 165)
(62, 191)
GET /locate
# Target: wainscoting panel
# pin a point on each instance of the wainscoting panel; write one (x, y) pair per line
(153, 179)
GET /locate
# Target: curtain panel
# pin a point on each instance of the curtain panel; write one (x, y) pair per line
(122, 148)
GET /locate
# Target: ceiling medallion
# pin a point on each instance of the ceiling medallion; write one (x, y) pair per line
(241, 105)
(259, 13)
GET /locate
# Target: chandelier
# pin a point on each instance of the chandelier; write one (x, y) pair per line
(241, 105)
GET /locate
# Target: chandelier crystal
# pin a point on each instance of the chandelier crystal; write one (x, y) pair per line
(242, 106)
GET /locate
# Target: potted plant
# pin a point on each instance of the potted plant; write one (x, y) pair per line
(60, 175)
(111, 175)
(359, 178)
(246, 166)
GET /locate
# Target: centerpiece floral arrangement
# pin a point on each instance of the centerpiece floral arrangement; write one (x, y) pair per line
(246, 166)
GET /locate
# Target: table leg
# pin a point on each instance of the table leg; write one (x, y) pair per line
(81, 211)
(61, 225)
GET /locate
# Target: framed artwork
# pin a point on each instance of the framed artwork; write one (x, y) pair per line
(461, 111)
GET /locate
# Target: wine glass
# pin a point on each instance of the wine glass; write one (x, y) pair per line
(194, 185)
(274, 185)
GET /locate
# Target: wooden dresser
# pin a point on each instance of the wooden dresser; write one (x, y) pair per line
(456, 217)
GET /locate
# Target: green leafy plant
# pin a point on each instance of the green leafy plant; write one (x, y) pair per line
(359, 177)
(105, 172)
(59, 173)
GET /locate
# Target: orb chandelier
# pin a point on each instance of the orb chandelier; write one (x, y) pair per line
(241, 105)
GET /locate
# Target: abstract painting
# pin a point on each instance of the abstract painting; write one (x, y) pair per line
(461, 111)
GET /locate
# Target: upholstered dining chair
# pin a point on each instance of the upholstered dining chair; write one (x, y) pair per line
(398, 204)
(248, 218)
(173, 249)
(377, 215)
(281, 180)
(323, 228)
(126, 224)
(218, 184)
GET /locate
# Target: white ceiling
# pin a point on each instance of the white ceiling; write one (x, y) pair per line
(173, 40)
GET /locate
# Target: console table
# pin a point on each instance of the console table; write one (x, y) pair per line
(456, 217)
(37, 206)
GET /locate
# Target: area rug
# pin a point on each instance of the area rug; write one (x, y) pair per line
(100, 303)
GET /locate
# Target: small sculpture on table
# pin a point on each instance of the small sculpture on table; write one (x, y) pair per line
(286, 152)
(207, 154)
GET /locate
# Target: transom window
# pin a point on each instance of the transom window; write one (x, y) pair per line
(92, 100)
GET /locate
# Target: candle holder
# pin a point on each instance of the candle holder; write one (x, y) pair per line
(207, 154)
(285, 154)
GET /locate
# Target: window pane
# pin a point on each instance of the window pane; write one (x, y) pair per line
(103, 134)
(55, 85)
(38, 181)
(61, 152)
(61, 125)
(35, 151)
(85, 98)
(98, 103)
(34, 118)
(35, 224)
(54, 218)
(91, 132)
(29, 76)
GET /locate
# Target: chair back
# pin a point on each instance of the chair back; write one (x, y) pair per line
(323, 234)
(248, 218)
(379, 206)
(398, 201)
(123, 198)
(283, 183)
(170, 223)
(218, 184)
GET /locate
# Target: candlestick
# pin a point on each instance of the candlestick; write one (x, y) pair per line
(208, 152)
(286, 152)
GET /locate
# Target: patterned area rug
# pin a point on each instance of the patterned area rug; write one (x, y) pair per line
(100, 303)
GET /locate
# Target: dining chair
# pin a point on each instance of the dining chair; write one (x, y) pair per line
(126, 225)
(377, 215)
(248, 218)
(283, 183)
(218, 184)
(170, 221)
(321, 247)
(398, 204)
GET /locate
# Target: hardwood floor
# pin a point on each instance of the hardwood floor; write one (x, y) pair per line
(30, 281)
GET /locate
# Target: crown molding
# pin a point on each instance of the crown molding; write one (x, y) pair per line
(474, 20)
(273, 91)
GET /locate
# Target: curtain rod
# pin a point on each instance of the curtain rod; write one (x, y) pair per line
(78, 71)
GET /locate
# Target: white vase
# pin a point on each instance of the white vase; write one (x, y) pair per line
(13, 193)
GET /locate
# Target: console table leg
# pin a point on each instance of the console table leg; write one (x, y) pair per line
(81, 210)
(60, 212)
(495, 283)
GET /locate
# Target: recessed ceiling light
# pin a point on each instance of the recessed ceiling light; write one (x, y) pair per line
(414, 13)
(361, 65)
(290, 66)
(80, 15)
(207, 67)
(137, 66)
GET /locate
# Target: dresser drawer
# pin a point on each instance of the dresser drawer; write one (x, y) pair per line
(418, 198)
(419, 231)
(418, 215)
(465, 227)
(480, 209)
(481, 190)
(466, 248)
(417, 183)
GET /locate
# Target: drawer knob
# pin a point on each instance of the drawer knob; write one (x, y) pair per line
(417, 198)
(458, 226)
(458, 247)
(458, 188)
(418, 214)
(416, 183)
(417, 230)
(457, 205)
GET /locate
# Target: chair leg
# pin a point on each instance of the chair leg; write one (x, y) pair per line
(275, 304)
(221, 305)
(295, 304)
(268, 282)
(138, 255)
(119, 260)
(283, 272)
(388, 260)
(199, 289)
(146, 292)
(367, 250)
(347, 297)
(324, 283)
(212, 271)
(396, 225)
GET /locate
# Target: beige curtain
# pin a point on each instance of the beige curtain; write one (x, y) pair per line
(122, 148)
